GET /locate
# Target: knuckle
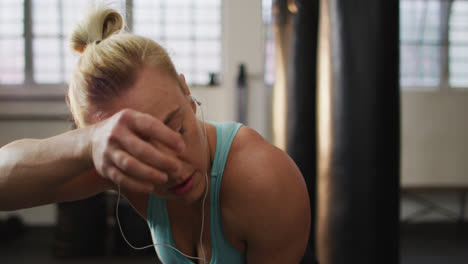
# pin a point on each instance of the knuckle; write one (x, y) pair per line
(114, 134)
(117, 178)
(104, 170)
(110, 172)
(107, 154)
(122, 118)
(109, 147)
(114, 175)
(125, 114)
(125, 163)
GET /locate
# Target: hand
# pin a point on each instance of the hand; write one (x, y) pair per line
(135, 150)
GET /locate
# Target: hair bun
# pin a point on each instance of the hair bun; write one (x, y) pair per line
(98, 24)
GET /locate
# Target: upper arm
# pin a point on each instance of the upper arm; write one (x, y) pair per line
(274, 205)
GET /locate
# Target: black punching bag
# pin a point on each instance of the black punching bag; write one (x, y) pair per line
(301, 123)
(359, 126)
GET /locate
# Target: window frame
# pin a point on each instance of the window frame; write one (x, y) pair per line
(444, 62)
(30, 90)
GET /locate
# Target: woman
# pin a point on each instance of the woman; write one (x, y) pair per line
(138, 134)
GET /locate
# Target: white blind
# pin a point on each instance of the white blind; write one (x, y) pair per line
(269, 65)
(434, 43)
(11, 42)
(420, 41)
(190, 30)
(458, 39)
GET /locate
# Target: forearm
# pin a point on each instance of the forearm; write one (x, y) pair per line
(35, 172)
(31, 170)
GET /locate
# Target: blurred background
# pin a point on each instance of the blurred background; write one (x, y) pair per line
(244, 59)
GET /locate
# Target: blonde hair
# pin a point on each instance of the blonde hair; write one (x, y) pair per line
(109, 64)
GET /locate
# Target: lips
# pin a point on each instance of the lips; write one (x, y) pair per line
(183, 187)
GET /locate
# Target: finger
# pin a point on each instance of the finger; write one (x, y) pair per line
(147, 153)
(125, 182)
(150, 127)
(136, 169)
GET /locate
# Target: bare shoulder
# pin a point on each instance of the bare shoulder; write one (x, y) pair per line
(266, 196)
(256, 165)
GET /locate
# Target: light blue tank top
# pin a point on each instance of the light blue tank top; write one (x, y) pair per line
(158, 220)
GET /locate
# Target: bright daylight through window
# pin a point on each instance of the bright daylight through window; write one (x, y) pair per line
(34, 47)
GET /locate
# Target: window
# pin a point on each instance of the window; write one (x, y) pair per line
(34, 35)
(189, 29)
(269, 76)
(11, 42)
(458, 41)
(52, 22)
(434, 44)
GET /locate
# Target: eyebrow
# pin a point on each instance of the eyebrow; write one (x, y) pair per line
(171, 115)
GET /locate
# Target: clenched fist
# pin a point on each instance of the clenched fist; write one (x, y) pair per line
(135, 150)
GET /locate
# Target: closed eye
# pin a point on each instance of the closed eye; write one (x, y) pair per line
(181, 130)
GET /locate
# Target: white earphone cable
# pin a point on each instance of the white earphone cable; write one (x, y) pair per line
(203, 209)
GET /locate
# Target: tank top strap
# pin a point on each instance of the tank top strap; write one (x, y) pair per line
(224, 252)
(225, 133)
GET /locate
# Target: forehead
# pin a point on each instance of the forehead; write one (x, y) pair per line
(154, 92)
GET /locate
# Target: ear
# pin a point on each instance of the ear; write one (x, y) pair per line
(187, 92)
(183, 85)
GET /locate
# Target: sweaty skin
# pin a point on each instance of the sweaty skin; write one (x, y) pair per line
(148, 141)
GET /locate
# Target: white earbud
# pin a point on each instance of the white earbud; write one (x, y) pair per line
(194, 99)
